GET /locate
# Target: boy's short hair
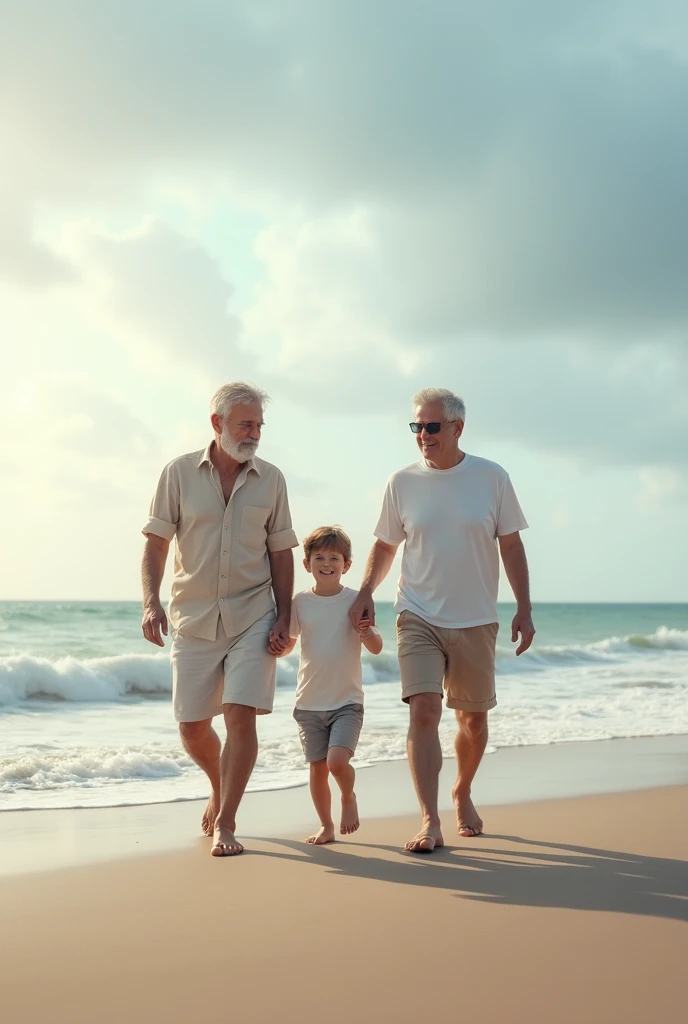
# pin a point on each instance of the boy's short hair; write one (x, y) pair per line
(328, 538)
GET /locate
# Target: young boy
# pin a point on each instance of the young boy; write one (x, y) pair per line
(329, 694)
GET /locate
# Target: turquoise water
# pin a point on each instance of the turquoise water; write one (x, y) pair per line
(92, 629)
(85, 712)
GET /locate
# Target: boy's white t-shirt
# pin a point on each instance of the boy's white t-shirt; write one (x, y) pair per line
(330, 666)
(449, 520)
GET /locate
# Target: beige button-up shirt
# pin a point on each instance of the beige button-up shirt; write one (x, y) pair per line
(221, 564)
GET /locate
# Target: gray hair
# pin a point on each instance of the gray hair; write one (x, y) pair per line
(237, 393)
(454, 407)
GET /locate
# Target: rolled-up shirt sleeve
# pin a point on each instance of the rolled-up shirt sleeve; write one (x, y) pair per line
(390, 529)
(280, 535)
(163, 515)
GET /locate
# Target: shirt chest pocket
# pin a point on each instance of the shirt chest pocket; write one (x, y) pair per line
(253, 522)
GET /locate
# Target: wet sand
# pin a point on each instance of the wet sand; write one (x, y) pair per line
(565, 910)
(35, 840)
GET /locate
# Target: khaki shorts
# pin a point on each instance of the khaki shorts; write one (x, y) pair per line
(320, 730)
(460, 660)
(229, 670)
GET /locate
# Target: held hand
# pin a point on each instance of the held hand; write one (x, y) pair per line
(522, 623)
(279, 637)
(275, 651)
(154, 620)
(363, 628)
(363, 608)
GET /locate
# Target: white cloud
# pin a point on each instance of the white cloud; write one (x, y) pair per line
(65, 432)
(524, 173)
(315, 318)
(24, 260)
(661, 487)
(160, 293)
(78, 470)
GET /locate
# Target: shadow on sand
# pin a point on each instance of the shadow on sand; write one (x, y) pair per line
(528, 873)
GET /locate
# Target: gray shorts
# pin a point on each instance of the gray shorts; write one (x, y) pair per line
(320, 730)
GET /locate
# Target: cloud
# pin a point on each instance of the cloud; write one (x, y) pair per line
(661, 488)
(455, 193)
(65, 437)
(161, 294)
(318, 334)
(594, 404)
(78, 469)
(315, 317)
(23, 260)
(580, 397)
(524, 172)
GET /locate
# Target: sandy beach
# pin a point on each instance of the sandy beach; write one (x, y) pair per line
(566, 909)
(511, 775)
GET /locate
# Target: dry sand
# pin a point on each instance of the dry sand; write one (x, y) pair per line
(567, 910)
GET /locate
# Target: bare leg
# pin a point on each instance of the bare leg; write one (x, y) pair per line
(425, 760)
(322, 801)
(471, 740)
(203, 746)
(236, 764)
(338, 759)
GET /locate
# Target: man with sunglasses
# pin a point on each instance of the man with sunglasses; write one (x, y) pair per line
(455, 514)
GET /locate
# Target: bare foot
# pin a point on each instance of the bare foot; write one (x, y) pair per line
(349, 822)
(210, 814)
(428, 839)
(468, 822)
(225, 843)
(324, 835)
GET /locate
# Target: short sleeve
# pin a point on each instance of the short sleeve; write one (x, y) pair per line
(280, 535)
(163, 516)
(510, 517)
(390, 529)
(294, 625)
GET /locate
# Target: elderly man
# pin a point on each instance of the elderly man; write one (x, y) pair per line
(451, 511)
(229, 516)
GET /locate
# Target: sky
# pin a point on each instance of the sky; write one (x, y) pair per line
(345, 202)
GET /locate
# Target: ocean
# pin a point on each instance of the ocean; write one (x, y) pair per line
(86, 718)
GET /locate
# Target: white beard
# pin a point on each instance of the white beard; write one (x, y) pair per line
(240, 451)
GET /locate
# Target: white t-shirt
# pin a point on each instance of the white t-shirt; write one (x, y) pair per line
(450, 520)
(330, 665)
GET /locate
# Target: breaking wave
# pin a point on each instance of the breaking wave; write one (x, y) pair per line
(24, 677)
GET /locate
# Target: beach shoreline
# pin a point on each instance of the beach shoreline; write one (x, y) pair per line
(86, 718)
(512, 775)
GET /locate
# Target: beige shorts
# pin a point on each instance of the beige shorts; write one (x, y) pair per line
(462, 661)
(229, 670)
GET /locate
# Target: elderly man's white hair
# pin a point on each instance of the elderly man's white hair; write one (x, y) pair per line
(454, 407)
(237, 393)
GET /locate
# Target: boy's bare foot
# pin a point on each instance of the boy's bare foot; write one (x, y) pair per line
(324, 835)
(210, 814)
(225, 843)
(350, 820)
(468, 822)
(428, 839)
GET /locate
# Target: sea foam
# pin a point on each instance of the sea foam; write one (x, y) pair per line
(24, 677)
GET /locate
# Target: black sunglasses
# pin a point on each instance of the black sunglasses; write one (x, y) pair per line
(432, 428)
